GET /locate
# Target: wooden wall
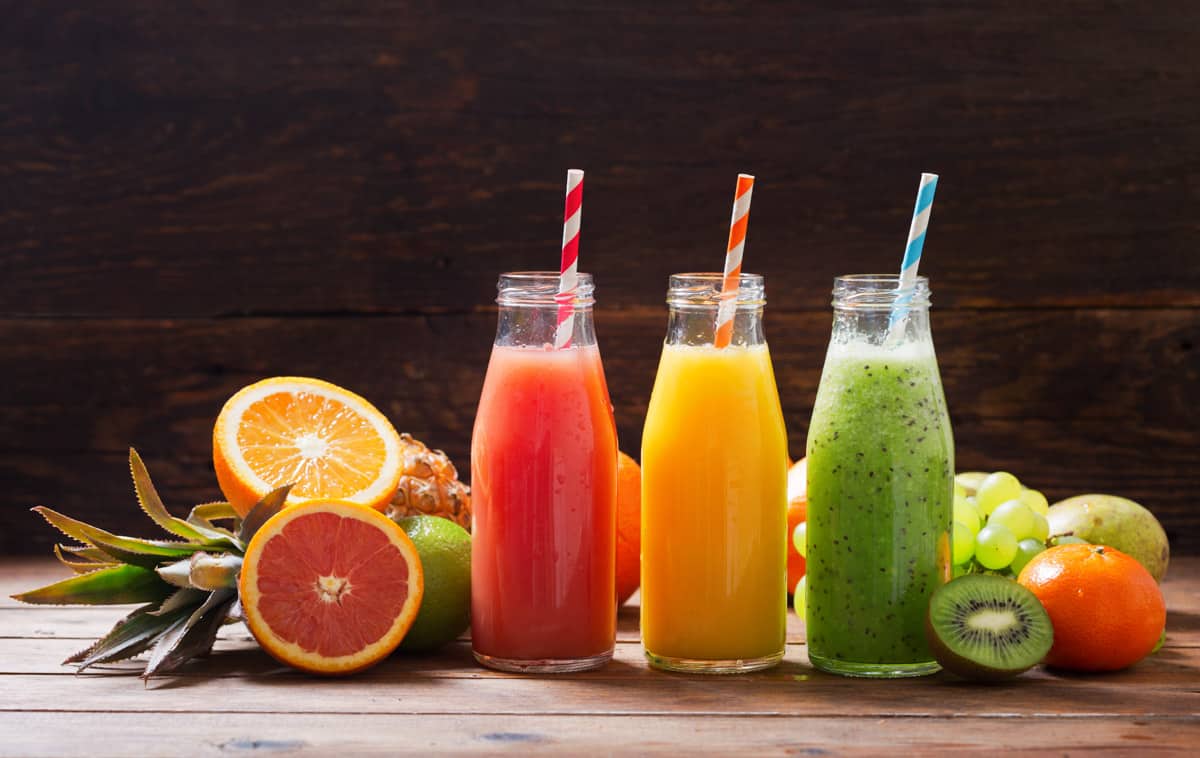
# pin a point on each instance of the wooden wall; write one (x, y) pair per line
(197, 195)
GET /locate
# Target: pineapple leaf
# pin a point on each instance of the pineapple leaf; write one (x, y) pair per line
(152, 506)
(205, 514)
(165, 642)
(87, 552)
(146, 553)
(264, 509)
(105, 586)
(131, 636)
(81, 567)
(185, 597)
(199, 635)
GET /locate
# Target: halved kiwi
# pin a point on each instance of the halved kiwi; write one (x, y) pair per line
(987, 627)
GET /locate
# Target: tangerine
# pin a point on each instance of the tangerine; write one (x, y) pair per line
(1106, 608)
(797, 492)
(330, 587)
(629, 527)
(796, 565)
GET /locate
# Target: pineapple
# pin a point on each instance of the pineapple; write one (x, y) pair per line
(188, 586)
(429, 486)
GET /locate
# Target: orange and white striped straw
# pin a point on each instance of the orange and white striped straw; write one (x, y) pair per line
(568, 277)
(727, 306)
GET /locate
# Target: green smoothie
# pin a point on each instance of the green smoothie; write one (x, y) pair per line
(880, 494)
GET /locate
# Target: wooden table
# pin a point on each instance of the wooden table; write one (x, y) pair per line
(241, 701)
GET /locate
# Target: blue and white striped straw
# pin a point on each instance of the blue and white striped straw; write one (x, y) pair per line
(916, 242)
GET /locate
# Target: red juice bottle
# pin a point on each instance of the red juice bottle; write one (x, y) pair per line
(543, 479)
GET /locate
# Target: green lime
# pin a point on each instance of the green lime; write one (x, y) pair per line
(445, 550)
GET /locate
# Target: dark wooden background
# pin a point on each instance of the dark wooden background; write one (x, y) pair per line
(197, 195)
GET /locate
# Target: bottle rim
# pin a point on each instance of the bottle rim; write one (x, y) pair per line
(702, 289)
(540, 288)
(878, 292)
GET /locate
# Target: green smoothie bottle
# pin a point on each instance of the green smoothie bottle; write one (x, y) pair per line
(880, 484)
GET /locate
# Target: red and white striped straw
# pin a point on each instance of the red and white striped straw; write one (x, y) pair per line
(568, 278)
(727, 307)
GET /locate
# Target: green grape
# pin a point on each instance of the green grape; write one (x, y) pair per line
(965, 514)
(800, 538)
(1014, 516)
(996, 489)
(995, 547)
(962, 542)
(799, 601)
(960, 571)
(1036, 501)
(959, 491)
(1026, 549)
(1041, 528)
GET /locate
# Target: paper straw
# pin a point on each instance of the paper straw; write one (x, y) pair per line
(727, 305)
(568, 277)
(916, 242)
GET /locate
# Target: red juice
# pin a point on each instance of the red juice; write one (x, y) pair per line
(543, 471)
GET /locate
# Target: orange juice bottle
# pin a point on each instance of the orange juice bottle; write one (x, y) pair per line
(714, 491)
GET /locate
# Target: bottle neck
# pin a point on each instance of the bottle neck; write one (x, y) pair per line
(877, 310)
(537, 325)
(696, 326)
(530, 309)
(694, 300)
(878, 327)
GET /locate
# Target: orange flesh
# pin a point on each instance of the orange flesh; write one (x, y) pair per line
(343, 454)
(314, 575)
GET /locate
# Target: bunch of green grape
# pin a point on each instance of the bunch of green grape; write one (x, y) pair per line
(999, 527)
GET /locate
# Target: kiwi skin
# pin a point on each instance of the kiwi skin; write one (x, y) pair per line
(977, 670)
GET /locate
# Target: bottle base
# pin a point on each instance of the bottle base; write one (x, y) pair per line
(873, 670)
(706, 666)
(543, 665)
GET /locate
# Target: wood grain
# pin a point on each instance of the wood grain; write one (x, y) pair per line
(193, 196)
(238, 699)
(191, 160)
(406, 734)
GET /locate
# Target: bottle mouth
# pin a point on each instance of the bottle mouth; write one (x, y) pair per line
(878, 292)
(539, 288)
(703, 290)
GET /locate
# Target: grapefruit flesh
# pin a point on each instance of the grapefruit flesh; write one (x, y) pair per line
(330, 587)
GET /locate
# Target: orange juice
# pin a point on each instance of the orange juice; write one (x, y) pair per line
(714, 511)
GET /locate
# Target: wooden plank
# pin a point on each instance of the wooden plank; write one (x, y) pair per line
(237, 655)
(78, 623)
(373, 734)
(1063, 399)
(1155, 688)
(387, 158)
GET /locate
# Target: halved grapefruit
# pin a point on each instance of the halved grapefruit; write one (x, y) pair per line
(325, 441)
(330, 587)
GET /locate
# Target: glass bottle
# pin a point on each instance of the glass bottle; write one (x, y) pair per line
(714, 490)
(543, 476)
(880, 484)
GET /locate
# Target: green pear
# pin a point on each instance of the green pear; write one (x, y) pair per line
(1116, 522)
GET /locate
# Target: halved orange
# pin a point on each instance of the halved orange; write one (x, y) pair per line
(326, 441)
(330, 587)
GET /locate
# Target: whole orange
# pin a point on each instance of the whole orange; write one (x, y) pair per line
(797, 511)
(796, 565)
(1107, 611)
(629, 527)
